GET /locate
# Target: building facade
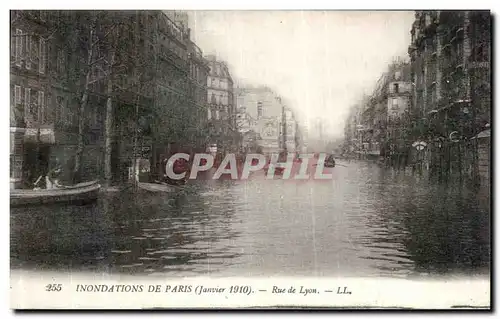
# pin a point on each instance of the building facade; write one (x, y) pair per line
(71, 105)
(46, 61)
(198, 76)
(221, 112)
(375, 127)
(450, 53)
(269, 116)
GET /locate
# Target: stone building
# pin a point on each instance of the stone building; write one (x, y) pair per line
(394, 138)
(450, 53)
(45, 65)
(198, 76)
(156, 86)
(268, 112)
(351, 130)
(221, 111)
(375, 125)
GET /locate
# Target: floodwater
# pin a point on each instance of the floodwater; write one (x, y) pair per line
(366, 221)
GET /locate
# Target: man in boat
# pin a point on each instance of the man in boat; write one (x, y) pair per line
(53, 176)
(330, 161)
(179, 166)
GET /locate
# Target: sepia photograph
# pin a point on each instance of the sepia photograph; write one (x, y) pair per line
(250, 159)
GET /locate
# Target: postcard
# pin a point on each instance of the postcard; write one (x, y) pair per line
(174, 159)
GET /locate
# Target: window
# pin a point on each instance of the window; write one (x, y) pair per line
(13, 45)
(29, 51)
(217, 114)
(17, 94)
(396, 88)
(61, 59)
(27, 101)
(41, 106)
(59, 108)
(19, 46)
(12, 161)
(43, 56)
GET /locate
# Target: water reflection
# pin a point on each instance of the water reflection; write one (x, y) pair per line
(367, 221)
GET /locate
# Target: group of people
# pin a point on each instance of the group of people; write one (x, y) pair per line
(51, 178)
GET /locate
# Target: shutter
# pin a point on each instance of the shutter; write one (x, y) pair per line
(27, 98)
(43, 55)
(19, 46)
(41, 106)
(13, 44)
(17, 94)
(28, 52)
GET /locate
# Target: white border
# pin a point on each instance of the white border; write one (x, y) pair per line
(190, 4)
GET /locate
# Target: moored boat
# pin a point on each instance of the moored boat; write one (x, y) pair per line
(159, 187)
(87, 191)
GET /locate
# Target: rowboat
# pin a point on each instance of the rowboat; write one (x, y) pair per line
(87, 191)
(159, 187)
(330, 164)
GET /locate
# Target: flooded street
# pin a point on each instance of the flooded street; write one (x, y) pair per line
(367, 221)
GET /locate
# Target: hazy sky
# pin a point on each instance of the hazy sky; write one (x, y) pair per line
(320, 62)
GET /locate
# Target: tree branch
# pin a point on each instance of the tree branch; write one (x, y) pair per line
(97, 61)
(105, 35)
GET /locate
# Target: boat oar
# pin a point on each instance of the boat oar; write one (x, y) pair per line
(332, 166)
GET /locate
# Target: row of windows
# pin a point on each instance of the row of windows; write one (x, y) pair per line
(218, 70)
(167, 25)
(216, 114)
(41, 15)
(196, 73)
(216, 83)
(218, 99)
(34, 104)
(36, 109)
(30, 50)
(171, 46)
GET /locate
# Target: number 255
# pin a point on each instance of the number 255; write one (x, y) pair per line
(54, 287)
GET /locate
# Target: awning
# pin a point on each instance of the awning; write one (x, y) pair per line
(483, 134)
(40, 135)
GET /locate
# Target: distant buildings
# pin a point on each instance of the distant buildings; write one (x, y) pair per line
(221, 104)
(374, 124)
(262, 111)
(441, 99)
